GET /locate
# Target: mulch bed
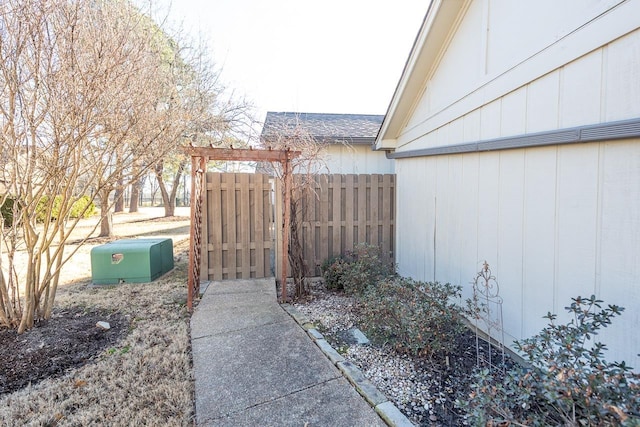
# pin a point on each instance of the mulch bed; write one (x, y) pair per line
(69, 339)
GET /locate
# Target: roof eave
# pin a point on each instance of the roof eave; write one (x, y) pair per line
(431, 37)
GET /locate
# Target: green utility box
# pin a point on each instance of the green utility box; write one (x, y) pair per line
(131, 260)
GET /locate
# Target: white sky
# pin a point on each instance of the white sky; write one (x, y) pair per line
(321, 56)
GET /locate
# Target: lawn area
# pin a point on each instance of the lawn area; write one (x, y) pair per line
(141, 376)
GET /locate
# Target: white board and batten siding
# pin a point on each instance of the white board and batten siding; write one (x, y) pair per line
(355, 159)
(553, 222)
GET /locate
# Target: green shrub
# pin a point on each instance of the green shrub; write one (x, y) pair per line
(43, 206)
(568, 381)
(357, 269)
(82, 207)
(365, 268)
(416, 317)
(333, 270)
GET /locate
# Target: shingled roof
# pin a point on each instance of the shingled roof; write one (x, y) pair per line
(330, 128)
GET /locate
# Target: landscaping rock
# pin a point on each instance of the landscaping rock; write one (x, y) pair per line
(355, 336)
(103, 325)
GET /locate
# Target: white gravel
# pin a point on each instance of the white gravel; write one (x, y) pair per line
(396, 375)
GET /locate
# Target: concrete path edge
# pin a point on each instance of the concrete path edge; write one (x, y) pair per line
(377, 400)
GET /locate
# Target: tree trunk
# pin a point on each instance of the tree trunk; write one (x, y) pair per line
(136, 188)
(296, 255)
(119, 196)
(106, 217)
(119, 204)
(135, 196)
(169, 199)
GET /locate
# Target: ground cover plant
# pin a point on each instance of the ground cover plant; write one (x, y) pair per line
(416, 317)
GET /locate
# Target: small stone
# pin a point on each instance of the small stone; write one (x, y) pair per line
(103, 325)
(433, 418)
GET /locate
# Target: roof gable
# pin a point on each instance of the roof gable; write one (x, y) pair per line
(470, 54)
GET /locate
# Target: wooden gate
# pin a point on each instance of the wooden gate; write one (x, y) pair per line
(237, 226)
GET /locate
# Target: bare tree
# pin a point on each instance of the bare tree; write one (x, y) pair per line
(83, 96)
(212, 119)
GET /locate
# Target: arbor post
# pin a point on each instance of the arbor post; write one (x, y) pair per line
(286, 167)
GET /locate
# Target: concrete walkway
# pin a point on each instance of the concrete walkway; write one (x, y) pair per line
(255, 366)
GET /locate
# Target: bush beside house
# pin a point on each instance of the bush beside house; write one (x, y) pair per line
(566, 380)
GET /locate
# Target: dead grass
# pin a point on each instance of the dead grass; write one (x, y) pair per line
(145, 381)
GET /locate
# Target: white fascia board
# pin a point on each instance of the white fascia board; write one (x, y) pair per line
(386, 144)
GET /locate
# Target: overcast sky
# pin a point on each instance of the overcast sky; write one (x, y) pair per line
(321, 56)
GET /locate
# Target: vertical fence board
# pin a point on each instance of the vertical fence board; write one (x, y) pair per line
(278, 224)
(373, 206)
(336, 223)
(206, 233)
(243, 218)
(257, 202)
(307, 216)
(232, 234)
(349, 203)
(387, 216)
(362, 208)
(215, 226)
(269, 227)
(323, 242)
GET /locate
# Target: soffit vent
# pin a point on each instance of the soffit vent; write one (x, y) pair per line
(617, 130)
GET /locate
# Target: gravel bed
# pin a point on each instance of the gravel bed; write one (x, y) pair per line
(423, 391)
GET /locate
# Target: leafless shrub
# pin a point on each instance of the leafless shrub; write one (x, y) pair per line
(90, 98)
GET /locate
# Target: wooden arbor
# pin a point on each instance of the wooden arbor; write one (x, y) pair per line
(200, 156)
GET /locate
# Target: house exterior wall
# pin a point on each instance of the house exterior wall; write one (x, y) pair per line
(553, 222)
(356, 159)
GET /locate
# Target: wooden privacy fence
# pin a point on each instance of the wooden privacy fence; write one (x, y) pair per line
(340, 211)
(238, 227)
(336, 213)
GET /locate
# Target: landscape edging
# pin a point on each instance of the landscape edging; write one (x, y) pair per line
(389, 413)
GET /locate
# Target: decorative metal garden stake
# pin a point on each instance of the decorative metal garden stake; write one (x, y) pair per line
(488, 305)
